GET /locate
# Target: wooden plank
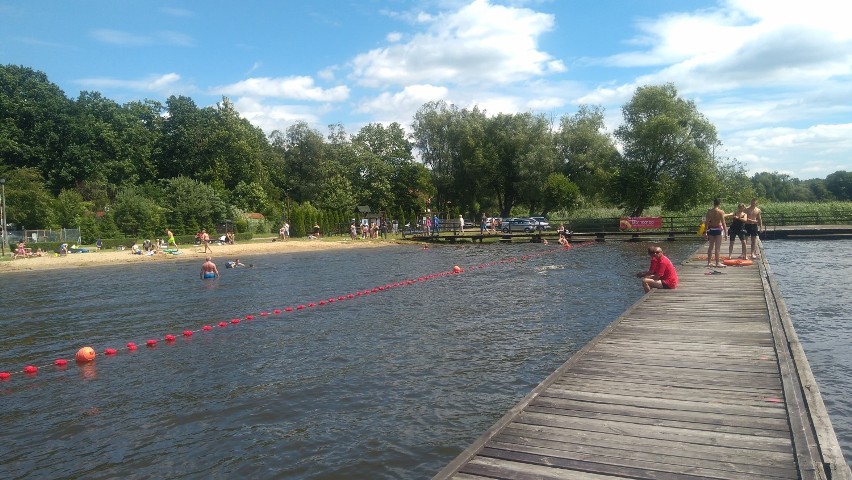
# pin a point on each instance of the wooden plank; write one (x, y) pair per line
(673, 389)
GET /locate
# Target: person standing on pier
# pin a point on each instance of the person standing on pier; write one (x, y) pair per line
(753, 224)
(737, 230)
(660, 274)
(715, 221)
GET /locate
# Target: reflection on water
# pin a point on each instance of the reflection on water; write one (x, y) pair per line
(813, 278)
(388, 385)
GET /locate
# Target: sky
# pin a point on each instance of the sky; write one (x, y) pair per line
(773, 76)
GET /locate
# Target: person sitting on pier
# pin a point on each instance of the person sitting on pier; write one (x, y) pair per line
(660, 274)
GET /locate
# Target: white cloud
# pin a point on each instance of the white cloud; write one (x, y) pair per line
(295, 87)
(122, 38)
(478, 43)
(165, 84)
(816, 150)
(745, 44)
(277, 117)
(403, 104)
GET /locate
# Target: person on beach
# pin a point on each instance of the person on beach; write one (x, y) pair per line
(170, 243)
(753, 225)
(209, 270)
(205, 240)
(715, 221)
(737, 230)
(660, 274)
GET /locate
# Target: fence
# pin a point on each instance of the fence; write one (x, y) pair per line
(70, 235)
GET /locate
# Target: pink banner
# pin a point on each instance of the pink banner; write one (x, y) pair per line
(640, 222)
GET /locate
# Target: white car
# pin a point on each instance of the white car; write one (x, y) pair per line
(542, 223)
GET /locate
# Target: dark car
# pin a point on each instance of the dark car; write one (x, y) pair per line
(527, 225)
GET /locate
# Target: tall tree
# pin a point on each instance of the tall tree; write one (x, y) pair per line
(668, 152)
(588, 153)
(839, 184)
(303, 152)
(34, 119)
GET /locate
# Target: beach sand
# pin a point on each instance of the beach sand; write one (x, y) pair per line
(220, 255)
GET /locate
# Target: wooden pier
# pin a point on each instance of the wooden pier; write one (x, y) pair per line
(705, 381)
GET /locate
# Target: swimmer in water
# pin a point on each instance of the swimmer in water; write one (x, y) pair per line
(209, 270)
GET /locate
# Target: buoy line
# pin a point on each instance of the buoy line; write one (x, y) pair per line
(88, 354)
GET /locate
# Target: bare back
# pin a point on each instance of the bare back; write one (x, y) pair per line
(715, 217)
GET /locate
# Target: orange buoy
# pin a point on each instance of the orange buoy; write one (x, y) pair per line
(737, 262)
(457, 269)
(85, 354)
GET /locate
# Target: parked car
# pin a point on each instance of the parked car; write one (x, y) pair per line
(527, 225)
(542, 223)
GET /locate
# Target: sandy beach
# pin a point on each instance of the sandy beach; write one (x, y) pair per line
(221, 253)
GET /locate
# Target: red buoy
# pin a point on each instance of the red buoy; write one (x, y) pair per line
(262, 314)
(235, 320)
(300, 307)
(60, 362)
(5, 375)
(151, 343)
(288, 309)
(249, 317)
(276, 311)
(207, 328)
(169, 338)
(131, 346)
(30, 369)
(109, 351)
(187, 333)
(223, 324)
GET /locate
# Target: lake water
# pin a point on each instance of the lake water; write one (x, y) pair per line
(814, 280)
(393, 384)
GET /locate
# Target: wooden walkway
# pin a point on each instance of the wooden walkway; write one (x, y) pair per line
(705, 381)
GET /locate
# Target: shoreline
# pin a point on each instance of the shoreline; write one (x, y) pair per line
(221, 254)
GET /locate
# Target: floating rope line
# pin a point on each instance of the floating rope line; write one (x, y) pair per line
(88, 354)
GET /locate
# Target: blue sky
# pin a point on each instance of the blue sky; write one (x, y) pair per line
(774, 76)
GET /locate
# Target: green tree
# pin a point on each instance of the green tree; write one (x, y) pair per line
(28, 203)
(589, 155)
(839, 184)
(192, 205)
(135, 214)
(70, 208)
(303, 151)
(559, 193)
(668, 152)
(34, 119)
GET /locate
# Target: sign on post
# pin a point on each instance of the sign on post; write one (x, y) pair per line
(640, 222)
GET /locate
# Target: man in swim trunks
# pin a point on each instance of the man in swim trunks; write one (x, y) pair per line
(171, 239)
(209, 270)
(715, 221)
(661, 273)
(753, 224)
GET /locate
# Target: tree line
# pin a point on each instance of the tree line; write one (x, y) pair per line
(137, 168)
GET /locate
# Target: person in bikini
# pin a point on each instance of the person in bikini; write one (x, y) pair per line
(715, 221)
(737, 230)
